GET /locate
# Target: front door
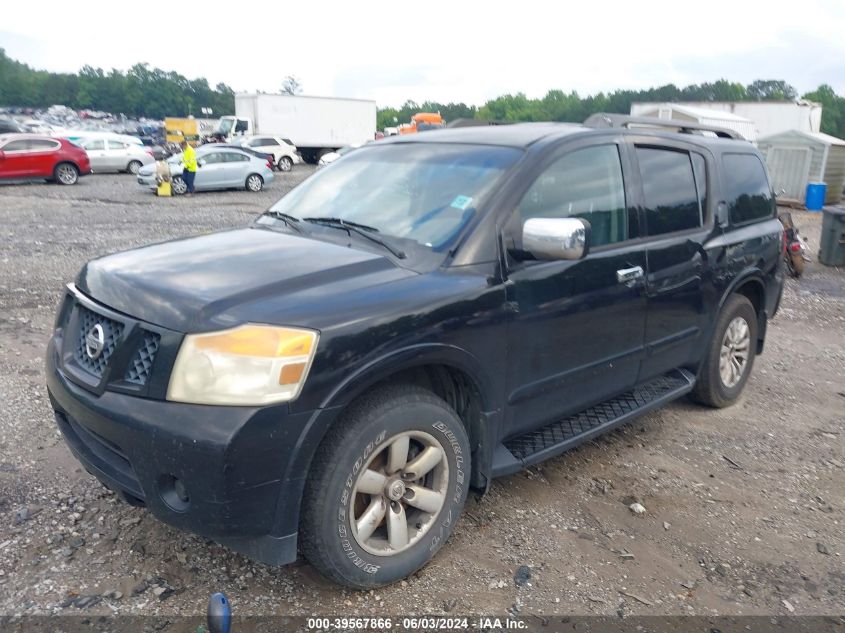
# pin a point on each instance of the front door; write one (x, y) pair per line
(96, 149)
(576, 333)
(211, 170)
(18, 160)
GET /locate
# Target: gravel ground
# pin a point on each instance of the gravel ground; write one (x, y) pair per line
(744, 506)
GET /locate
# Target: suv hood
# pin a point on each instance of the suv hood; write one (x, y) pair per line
(220, 280)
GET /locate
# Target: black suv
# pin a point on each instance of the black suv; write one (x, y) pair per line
(425, 314)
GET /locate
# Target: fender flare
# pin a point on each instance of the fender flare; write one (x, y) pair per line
(407, 358)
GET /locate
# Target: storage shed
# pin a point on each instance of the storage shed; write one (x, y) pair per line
(796, 158)
(705, 116)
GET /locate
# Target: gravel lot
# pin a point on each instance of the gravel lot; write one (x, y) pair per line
(745, 507)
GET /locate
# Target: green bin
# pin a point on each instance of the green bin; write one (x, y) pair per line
(832, 247)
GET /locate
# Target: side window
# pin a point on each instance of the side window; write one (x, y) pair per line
(42, 145)
(671, 199)
(269, 142)
(94, 145)
(699, 168)
(587, 184)
(213, 158)
(747, 190)
(235, 157)
(117, 145)
(16, 146)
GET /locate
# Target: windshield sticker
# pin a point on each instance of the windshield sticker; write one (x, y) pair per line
(461, 202)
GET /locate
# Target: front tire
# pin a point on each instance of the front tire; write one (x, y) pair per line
(178, 186)
(386, 488)
(66, 174)
(730, 356)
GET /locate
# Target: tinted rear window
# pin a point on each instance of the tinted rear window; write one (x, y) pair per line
(671, 199)
(747, 190)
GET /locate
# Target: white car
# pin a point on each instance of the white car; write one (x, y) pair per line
(330, 157)
(114, 154)
(284, 152)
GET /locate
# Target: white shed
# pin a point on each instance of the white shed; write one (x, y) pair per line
(796, 158)
(770, 117)
(705, 116)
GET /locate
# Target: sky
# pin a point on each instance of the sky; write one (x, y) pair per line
(442, 51)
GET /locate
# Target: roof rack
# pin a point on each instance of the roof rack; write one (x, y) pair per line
(603, 119)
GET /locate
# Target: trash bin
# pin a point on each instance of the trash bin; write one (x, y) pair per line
(832, 247)
(815, 196)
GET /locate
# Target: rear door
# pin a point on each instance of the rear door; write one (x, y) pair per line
(235, 169)
(42, 154)
(676, 224)
(575, 336)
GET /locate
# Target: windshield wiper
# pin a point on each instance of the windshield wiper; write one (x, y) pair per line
(360, 229)
(290, 220)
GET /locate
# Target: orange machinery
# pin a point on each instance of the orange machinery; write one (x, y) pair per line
(422, 121)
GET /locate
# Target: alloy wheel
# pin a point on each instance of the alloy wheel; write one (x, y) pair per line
(399, 493)
(733, 357)
(253, 183)
(67, 174)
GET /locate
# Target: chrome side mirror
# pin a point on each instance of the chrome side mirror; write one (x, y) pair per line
(556, 238)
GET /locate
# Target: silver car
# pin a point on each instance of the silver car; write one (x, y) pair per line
(217, 168)
(112, 154)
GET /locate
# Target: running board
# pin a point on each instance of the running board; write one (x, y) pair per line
(530, 448)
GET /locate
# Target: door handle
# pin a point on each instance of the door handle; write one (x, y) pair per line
(627, 275)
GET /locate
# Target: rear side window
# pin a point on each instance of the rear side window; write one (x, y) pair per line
(587, 184)
(671, 198)
(747, 190)
(117, 145)
(41, 145)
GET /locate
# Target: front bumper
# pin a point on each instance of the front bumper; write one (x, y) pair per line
(233, 462)
(147, 181)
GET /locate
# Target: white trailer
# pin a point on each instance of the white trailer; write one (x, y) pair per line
(316, 125)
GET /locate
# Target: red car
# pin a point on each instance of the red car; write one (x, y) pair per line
(38, 156)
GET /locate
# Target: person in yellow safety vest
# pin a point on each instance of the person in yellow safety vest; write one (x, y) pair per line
(189, 163)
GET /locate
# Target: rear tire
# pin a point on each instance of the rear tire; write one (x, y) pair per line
(66, 174)
(730, 355)
(285, 163)
(254, 183)
(385, 488)
(133, 167)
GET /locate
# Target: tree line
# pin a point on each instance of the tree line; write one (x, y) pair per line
(142, 91)
(558, 105)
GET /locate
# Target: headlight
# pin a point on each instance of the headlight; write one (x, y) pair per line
(248, 365)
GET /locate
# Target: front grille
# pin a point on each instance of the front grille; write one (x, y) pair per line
(141, 364)
(111, 335)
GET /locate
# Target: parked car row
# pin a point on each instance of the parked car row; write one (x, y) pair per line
(248, 163)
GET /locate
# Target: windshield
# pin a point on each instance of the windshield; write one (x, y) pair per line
(224, 127)
(423, 192)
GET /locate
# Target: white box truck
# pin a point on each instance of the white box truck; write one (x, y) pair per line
(316, 125)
